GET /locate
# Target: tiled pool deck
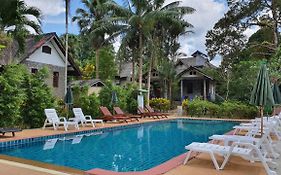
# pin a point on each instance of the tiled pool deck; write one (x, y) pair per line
(201, 164)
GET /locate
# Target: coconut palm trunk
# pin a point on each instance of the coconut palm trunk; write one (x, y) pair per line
(97, 62)
(66, 43)
(140, 61)
(149, 81)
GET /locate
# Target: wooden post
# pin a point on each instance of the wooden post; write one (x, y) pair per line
(204, 90)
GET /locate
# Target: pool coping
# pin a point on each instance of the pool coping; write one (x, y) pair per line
(159, 169)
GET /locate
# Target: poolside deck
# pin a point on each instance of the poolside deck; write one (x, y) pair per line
(199, 165)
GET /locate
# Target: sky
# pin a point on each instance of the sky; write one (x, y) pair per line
(207, 13)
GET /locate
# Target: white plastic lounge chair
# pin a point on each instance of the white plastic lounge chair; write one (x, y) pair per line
(55, 121)
(267, 148)
(275, 128)
(84, 119)
(247, 151)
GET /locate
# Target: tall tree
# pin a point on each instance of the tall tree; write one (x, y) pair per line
(227, 34)
(67, 6)
(95, 10)
(138, 21)
(14, 19)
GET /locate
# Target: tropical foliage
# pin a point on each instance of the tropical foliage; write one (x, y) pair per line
(14, 19)
(160, 104)
(227, 109)
(24, 97)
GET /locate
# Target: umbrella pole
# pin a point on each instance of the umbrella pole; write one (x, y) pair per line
(261, 114)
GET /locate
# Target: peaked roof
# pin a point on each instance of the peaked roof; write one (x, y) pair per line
(32, 43)
(197, 52)
(194, 68)
(198, 59)
(91, 82)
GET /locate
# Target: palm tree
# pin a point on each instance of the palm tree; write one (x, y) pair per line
(14, 19)
(67, 6)
(140, 20)
(87, 19)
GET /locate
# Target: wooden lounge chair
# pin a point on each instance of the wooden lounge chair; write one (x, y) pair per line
(107, 116)
(144, 114)
(151, 110)
(12, 130)
(119, 111)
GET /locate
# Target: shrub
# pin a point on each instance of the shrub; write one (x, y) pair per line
(160, 104)
(24, 96)
(236, 109)
(39, 97)
(185, 104)
(227, 109)
(12, 95)
(90, 105)
(105, 96)
(131, 100)
(202, 107)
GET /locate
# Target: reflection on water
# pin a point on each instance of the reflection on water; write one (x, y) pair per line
(131, 149)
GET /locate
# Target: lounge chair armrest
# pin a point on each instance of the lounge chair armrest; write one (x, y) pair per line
(88, 117)
(72, 119)
(62, 119)
(244, 144)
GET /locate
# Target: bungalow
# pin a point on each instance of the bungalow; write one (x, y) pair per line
(192, 80)
(40, 51)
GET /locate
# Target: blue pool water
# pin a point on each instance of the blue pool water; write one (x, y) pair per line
(128, 149)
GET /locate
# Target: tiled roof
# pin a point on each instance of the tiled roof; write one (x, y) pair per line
(32, 43)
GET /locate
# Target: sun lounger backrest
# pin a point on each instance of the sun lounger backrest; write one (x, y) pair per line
(118, 110)
(78, 113)
(51, 115)
(141, 110)
(149, 108)
(105, 111)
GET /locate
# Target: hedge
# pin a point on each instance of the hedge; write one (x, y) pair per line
(227, 109)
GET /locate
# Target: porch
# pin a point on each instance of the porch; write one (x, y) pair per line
(197, 87)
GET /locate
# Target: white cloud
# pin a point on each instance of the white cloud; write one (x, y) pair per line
(207, 13)
(48, 7)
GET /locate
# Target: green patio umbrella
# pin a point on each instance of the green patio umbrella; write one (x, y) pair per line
(68, 99)
(276, 95)
(262, 93)
(114, 99)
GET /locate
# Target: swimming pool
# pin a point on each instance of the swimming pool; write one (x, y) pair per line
(134, 148)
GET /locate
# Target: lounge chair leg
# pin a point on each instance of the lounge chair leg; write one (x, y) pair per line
(214, 160)
(93, 124)
(45, 123)
(187, 157)
(266, 167)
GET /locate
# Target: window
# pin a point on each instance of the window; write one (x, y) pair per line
(46, 49)
(34, 70)
(192, 73)
(56, 79)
